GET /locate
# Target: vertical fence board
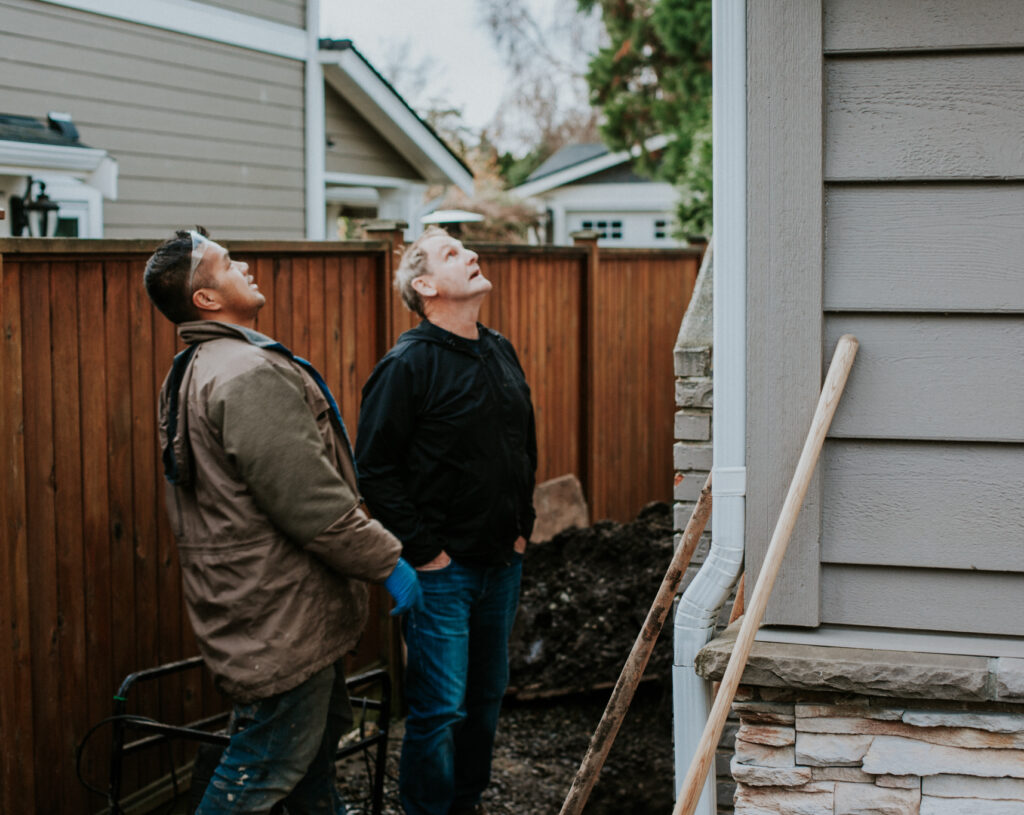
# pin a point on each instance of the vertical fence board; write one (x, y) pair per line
(121, 499)
(146, 500)
(17, 776)
(95, 508)
(40, 525)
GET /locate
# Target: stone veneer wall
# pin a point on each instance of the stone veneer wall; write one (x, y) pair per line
(814, 754)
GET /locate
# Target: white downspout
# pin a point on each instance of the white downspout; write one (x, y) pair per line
(316, 203)
(699, 606)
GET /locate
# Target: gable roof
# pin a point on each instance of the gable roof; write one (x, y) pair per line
(576, 161)
(374, 98)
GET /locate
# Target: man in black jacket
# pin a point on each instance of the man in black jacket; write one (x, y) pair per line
(447, 454)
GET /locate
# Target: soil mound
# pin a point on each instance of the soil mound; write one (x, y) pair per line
(585, 596)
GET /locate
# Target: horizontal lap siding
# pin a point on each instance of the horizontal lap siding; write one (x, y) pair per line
(970, 518)
(922, 525)
(286, 12)
(923, 599)
(177, 130)
(354, 146)
(958, 378)
(918, 247)
(936, 117)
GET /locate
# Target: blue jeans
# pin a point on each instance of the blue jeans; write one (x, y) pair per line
(456, 676)
(282, 751)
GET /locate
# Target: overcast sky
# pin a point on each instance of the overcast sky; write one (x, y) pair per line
(464, 65)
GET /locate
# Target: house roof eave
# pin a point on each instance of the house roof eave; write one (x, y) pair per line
(348, 72)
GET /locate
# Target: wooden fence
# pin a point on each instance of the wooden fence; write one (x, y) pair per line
(89, 582)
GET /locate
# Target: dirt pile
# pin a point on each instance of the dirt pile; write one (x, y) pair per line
(585, 596)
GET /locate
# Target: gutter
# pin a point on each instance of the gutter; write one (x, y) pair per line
(698, 608)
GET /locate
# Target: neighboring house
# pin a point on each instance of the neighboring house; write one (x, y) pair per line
(882, 197)
(586, 186)
(230, 114)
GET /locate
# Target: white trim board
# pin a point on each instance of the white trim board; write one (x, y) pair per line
(361, 180)
(203, 21)
(889, 640)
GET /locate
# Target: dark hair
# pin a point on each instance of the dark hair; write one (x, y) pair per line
(167, 277)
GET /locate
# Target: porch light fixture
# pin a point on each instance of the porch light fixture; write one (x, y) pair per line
(36, 215)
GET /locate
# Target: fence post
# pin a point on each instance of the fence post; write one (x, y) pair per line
(393, 234)
(587, 239)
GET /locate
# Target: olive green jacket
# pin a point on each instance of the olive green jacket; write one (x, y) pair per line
(262, 498)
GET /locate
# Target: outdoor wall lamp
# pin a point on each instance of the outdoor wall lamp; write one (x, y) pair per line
(36, 215)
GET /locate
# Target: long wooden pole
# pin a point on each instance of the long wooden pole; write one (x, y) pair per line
(629, 678)
(835, 381)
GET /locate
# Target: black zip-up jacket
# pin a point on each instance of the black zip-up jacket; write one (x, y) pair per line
(446, 448)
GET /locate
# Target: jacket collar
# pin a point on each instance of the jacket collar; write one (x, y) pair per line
(426, 330)
(199, 331)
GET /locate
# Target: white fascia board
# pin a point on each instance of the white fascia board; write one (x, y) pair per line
(203, 21)
(379, 105)
(584, 168)
(25, 157)
(361, 180)
(635, 197)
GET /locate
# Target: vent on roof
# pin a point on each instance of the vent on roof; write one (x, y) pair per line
(61, 122)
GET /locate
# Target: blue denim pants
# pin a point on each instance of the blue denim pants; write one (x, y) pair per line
(282, 751)
(456, 675)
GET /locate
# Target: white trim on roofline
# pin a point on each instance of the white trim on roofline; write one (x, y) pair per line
(21, 155)
(361, 180)
(201, 20)
(584, 168)
(378, 103)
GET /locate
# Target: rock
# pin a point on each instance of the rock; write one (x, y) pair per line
(759, 776)
(773, 735)
(969, 806)
(905, 674)
(863, 711)
(815, 798)
(764, 755)
(764, 713)
(832, 750)
(904, 782)
(867, 799)
(560, 505)
(892, 755)
(1010, 678)
(950, 736)
(992, 722)
(964, 786)
(841, 774)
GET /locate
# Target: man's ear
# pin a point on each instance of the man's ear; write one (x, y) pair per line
(424, 287)
(206, 300)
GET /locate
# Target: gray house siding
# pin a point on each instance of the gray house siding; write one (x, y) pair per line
(203, 132)
(286, 12)
(355, 147)
(915, 519)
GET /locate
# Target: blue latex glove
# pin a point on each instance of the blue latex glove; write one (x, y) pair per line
(404, 585)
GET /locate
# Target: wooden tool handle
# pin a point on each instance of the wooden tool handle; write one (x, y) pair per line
(838, 372)
(622, 695)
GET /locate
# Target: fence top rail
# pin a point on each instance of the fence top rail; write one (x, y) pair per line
(145, 246)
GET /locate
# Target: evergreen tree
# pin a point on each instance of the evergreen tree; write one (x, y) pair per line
(654, 78)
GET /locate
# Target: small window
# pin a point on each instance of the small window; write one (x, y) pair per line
(660, 229)
(588, 224)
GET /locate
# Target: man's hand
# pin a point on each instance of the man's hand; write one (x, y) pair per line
(439, 562)
(520, 545)
(404, 585)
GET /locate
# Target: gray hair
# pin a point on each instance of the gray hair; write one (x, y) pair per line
(413, 265)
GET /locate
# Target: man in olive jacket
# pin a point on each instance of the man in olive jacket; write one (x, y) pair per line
(275, 549)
